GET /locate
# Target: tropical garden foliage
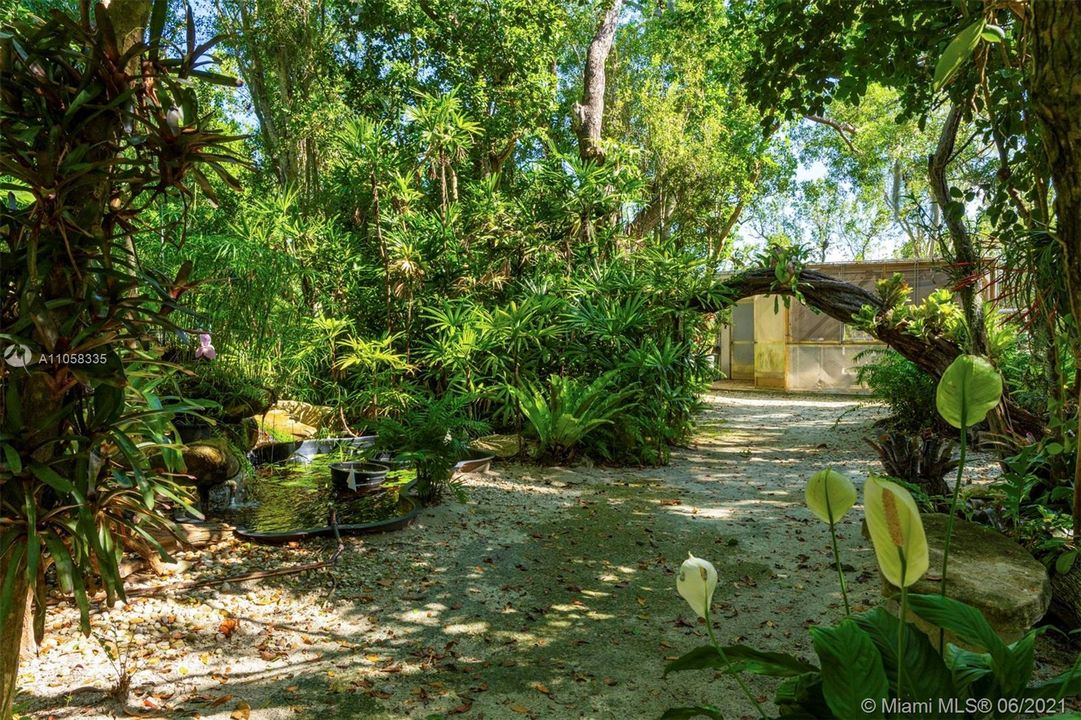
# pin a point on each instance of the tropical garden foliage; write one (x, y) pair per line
(531, 217)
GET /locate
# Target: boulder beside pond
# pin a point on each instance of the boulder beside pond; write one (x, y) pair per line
(209, 463)
(988, 571)
(299, 420)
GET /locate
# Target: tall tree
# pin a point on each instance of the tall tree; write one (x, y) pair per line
(589, 113)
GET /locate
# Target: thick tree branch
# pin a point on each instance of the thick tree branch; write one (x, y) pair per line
(842, 300)
(656, 212)
(589, 114)
(965, 255)
(843, 129)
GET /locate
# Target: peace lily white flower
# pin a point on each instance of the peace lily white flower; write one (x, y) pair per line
(830, 495)
(696, 582)
(896, 530)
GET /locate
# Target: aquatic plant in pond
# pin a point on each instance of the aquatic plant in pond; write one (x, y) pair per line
(299, 496)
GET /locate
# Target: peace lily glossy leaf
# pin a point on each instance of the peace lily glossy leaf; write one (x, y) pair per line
(894, 523)
(968, 390)
(739, 659)
(851, 670)
(830, 495)
(957, 52)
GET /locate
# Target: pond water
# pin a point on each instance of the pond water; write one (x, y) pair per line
(297, 496)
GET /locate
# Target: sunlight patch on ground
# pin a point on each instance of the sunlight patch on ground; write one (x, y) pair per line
(473, 628)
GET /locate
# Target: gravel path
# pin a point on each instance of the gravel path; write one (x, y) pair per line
(550, 593)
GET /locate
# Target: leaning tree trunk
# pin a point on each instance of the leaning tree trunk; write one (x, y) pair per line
(843, 300)
(1066, 597)
(589, 114)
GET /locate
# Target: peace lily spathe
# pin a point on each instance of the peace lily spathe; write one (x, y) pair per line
(696, 582)
(830, 495)
(895, 527)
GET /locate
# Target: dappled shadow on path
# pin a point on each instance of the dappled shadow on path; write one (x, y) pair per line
(550, 593)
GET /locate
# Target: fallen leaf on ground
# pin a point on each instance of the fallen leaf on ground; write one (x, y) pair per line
(229, 626)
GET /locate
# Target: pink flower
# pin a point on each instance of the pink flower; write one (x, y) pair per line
(205, 349)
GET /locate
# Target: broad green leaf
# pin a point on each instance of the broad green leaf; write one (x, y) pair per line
(15, 566)
(1065, 562)
(11, 457)
(704, 656)
(773, 664)
(801, 697)
(33, 538)
(968, 390)
(852, 670)
(740, 658)
(926, 676)
(969, 668)
(964, 621)
(957, 52)
(993, 34)
(156, 26)
(61, 561)
(51, 478)
(1019, 664)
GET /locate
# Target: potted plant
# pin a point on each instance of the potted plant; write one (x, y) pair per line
(360, 478)
(433, 435)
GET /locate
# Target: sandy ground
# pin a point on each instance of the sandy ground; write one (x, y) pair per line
(550, 593)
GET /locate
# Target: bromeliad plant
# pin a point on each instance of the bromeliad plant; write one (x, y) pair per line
(570, 411)
(95, 126)
(874, 664)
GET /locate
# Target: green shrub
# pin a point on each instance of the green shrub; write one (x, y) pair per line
(569, 412)
(898, 382)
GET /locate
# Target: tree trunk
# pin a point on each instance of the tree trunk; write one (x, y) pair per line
(965, 256)
(1056, 96)
(842, 301)
(589, 114)
(11, 635)
(655, 213)
(1066, 597)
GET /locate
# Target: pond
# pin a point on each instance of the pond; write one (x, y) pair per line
(294, 499)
